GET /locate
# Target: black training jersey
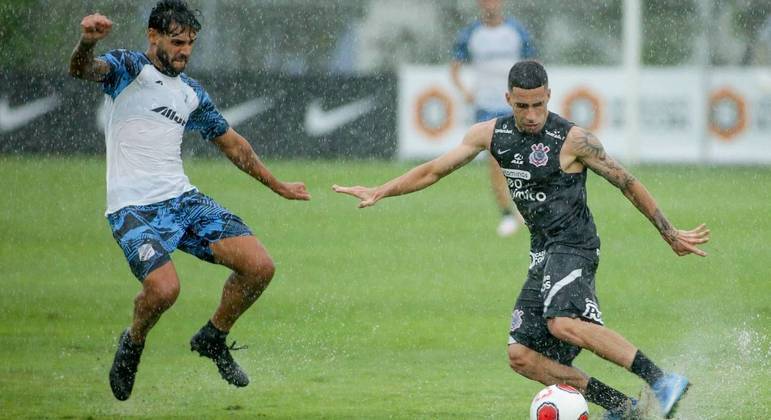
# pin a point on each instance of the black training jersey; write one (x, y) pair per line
(552, 202)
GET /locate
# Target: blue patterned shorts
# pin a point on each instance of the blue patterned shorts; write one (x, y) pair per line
(148, 234)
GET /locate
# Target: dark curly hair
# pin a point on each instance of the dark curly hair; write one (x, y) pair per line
(173, 15)
(528, 74)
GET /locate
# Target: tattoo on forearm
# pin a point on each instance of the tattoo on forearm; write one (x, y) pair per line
(663, 225)
(614, 173)
(83, 51)
(81, 57)
(624, 181)
(85, 47)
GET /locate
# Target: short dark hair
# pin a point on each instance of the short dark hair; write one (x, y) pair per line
(169, 15)
(527, 74)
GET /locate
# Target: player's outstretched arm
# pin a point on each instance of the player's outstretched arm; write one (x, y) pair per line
(586, 148)
(240, 152)
(83, 65)
(476, 139)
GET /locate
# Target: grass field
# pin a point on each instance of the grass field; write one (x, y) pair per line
(397, 311)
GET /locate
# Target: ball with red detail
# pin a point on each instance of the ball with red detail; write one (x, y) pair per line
(559, 402)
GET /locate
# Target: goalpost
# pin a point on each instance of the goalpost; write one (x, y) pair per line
(632, 48)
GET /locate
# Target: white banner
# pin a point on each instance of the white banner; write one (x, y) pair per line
(432, 115)
(686, 114)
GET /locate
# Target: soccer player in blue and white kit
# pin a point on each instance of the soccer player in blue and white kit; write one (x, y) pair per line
(490, 46)
(151, 206)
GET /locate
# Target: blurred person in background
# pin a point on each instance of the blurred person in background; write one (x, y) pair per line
(490, 46)
(151, 206)
(557, 312)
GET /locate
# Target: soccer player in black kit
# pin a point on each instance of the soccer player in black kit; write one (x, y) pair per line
(544, 159)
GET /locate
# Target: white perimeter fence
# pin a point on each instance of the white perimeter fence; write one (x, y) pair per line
(692, 114)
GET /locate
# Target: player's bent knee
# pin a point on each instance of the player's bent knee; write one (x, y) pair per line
(520, 358)
(258, 270)
(161, 286)
(169, 293)
(565, 329)
(162, 295)
(268, 269)
(262, 268)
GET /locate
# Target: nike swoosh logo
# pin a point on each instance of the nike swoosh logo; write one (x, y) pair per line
(19, 116)
(319, 122)
(500, 152)
(245, 110)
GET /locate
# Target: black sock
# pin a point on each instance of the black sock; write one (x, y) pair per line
(216, 332)
(603, 395)
(645, 369)
(506, 212)
(134, 345)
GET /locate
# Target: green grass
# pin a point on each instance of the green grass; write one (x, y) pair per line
(400, 310)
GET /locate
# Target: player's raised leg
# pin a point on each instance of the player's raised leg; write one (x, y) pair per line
(535, 366)
(252, 271)
(668, 388)
(159, 292)
(596, 338)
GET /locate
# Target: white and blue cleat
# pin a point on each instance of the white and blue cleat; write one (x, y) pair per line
(669, 389)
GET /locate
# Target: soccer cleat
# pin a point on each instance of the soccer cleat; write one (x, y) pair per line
(669, 389)
(508, 226)
(213, 347)
(625, 412)
(124, 366)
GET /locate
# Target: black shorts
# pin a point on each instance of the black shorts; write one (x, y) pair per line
(560, 283)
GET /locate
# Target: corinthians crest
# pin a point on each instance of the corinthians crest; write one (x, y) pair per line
(516, 320)
(539, 157)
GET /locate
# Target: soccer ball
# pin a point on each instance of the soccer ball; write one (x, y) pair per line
(559, 402)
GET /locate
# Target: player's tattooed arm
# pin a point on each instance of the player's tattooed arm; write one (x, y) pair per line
(83, 65)
(589, 150)
(665, 228)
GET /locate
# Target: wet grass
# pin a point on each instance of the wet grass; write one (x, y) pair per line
(400, 310)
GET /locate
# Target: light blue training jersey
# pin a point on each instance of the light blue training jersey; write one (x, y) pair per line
(147, 115)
